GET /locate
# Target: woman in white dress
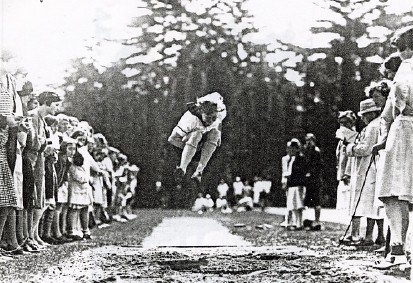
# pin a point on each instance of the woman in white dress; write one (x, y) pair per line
(395, 181)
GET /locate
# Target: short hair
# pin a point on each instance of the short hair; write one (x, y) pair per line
(26, 90)
(383, 87)
(48, 97)
(51, 120)
(403, 38)
(208, 107)
(78, 159)
(393, 62)
(62, 117)
(78, 133)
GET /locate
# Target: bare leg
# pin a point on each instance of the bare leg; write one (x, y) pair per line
(10, 229)
(20, 226)
(63, 219)
(47, 223)
(4, 213)
(84, 220)
(207, 150)
(37, 215)
(56, 221)
(187, 155)
(395, 210)
(25, 224)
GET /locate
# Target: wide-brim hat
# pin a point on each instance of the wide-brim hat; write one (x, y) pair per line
(368, 105)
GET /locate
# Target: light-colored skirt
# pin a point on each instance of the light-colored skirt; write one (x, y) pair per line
(18, 181)
(395, 179)
(62, 193)
(295, 198)
(343, 198)
(99, 192)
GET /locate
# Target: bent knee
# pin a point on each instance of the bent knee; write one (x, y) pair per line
(194, 138)
(214, 137)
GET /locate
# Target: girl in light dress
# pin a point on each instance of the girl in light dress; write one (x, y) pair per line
(293, 181)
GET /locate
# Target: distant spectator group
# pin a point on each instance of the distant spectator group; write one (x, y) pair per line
(244, 196)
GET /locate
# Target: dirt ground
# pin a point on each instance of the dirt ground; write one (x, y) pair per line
(115, 254)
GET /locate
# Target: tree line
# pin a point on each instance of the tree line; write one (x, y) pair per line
(182, 54)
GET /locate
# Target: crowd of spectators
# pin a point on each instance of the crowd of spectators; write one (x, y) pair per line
(238, 196)
(58, 178)
(375, 165)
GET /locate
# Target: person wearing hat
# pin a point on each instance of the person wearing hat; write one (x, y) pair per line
(198, 129)
(363, 178)
(314, 179)
(294, 169)
(394, 178)
(346, 133)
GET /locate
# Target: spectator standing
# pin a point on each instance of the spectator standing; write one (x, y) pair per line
(294, 179)
(394, 179)
(265, 193)
(48, 105)
(346, 133)
(79, 197)
(363, 201)
(313, 178)
(8, 198)
(257, 189)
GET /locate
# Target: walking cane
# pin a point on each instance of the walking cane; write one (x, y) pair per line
(372, 159)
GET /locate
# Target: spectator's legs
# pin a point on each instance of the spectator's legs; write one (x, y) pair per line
(37, 215)
(30, 213)
(20, 226)
(317, 213)
(395, 211)
(98, 213)
(25, 224)
(369, 229)
(380, 231)
(64, 219)
(299, 218)
(47, 223)
(10, 229)
(72, 217)
(56, 221)
(84, 220)
(4, 213)
(355, 228)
